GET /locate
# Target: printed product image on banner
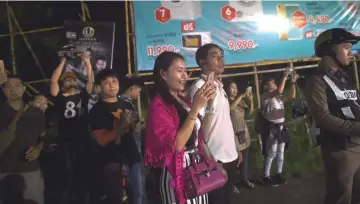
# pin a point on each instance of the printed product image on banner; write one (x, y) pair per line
(297, 21)
(183, 10)
(247, 11)
(192, 41)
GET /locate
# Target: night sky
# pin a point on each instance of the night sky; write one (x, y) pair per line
(35, 15)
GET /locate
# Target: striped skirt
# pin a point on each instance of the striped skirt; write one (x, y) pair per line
(168, 194)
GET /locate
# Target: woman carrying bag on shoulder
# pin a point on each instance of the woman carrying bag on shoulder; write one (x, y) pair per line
(173, 141)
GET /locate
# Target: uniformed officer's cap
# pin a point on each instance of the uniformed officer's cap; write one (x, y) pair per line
(332, 37)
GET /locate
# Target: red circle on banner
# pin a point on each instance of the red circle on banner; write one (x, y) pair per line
(298, 19)
(228, 13)
(162, 14)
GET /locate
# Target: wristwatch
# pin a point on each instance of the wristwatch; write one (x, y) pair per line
(210, 111)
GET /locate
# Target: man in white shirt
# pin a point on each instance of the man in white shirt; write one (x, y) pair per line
(216, 125)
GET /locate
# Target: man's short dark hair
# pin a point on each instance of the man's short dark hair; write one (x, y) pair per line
(104, 74)
(203, 51)
(15, 76)
(101, 58)
(128, 82)
(90, 50)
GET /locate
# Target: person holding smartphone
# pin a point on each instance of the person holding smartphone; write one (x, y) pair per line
(240, 105)
(172, 135)
(216, 124)
(274, 135)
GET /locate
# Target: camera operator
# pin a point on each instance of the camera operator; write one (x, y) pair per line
(73, 135)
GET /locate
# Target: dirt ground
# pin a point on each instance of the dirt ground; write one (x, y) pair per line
(297, 191)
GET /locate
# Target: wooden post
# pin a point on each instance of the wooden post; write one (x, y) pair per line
(257, 87)
(83, 14)
(28, 45)
(356, 72)
(12, 42)
(128, 37)
(133, 37)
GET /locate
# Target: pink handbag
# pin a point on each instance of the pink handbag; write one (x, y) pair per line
(203, 177)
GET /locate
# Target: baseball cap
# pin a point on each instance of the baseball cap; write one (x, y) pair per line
(65, 75)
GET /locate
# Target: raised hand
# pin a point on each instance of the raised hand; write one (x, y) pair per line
(203, 95)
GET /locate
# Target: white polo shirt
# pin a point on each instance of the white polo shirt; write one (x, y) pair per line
(222, 138)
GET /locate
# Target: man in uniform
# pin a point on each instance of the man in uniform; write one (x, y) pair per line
(334, 104)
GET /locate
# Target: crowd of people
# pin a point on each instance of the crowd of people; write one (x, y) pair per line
(195, 137)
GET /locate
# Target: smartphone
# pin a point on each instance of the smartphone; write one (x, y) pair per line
(249, 89)
(210, 77)
(2, 66)
(284, 12)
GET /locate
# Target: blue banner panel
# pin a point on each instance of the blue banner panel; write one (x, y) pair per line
(248, 31)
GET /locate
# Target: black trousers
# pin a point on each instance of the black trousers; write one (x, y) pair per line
(70, 171)
(244, 177)
(222, 195)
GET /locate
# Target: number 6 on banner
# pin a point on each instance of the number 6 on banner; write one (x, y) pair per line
(228, 13)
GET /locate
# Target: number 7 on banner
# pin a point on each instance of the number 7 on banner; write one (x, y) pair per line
(162, 14)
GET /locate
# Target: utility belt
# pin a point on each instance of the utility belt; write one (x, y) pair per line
(338, 141)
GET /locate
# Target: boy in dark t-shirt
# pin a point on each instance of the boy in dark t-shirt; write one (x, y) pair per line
(108, 122)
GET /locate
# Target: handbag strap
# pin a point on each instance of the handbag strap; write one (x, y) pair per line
(18, 115)
(197, 155)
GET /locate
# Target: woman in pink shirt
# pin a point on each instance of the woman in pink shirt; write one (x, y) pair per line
(172, 129)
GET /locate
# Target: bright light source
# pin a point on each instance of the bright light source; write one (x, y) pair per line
(268, 23)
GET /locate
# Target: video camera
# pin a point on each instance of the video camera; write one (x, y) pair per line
(69, 52)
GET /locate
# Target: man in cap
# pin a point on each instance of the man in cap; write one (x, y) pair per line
(71, 108)
(334, 104)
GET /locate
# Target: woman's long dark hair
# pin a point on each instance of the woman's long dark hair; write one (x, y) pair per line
(162, 63)
(241, 87)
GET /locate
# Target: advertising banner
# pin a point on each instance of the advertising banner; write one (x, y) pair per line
(93, 38)
(247, 31)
